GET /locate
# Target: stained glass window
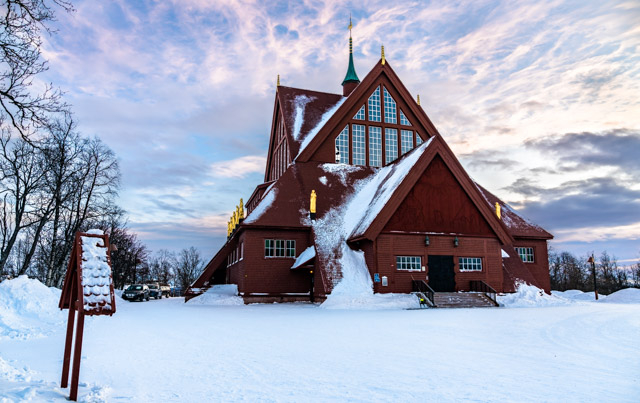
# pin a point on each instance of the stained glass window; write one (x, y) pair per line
(342, 146)
(389, 108)
(374, 106)
(358, 145)
(406, 141)
(375, 146)
(390, 145)
(403, 119)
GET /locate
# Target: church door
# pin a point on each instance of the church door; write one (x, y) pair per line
(441, 275)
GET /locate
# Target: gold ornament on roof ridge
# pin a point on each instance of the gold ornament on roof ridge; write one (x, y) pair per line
(383, 59)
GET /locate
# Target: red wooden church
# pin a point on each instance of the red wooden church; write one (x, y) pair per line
(362, 184)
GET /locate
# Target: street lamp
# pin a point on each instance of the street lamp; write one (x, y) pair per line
(593, 269)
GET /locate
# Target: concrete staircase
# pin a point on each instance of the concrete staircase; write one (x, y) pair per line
(462, 300)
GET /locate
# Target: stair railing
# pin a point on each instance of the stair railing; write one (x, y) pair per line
(486, 289)
(422, 287)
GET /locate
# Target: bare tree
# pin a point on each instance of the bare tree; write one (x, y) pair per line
(21, 178)
(162, 266)
(26, 107)
(189, 266)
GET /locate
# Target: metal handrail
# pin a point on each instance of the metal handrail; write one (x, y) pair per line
(481, 286)
(423, 287)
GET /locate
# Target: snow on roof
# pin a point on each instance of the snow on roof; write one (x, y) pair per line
(300, 103)
(504, 254)
(263, 205)
(304, 257)
(96, 274)
(341, 170)
(346, 269)
(323, 121)
(376, 191)
(515, 223)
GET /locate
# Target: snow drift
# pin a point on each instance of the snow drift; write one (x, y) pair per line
(28, 309)
(624, 296)
(530, 296)
(222, 294)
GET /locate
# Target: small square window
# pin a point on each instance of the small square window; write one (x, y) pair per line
(526, 254)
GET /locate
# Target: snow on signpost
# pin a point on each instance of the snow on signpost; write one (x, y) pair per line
(88, 289)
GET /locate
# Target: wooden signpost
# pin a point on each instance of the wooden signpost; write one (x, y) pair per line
(88, 289)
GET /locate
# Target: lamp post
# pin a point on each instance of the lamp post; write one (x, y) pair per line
(593, 269)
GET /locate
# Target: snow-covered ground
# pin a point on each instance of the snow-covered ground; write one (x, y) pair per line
(166, 350)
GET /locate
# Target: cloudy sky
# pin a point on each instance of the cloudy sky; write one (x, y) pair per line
(539, 100)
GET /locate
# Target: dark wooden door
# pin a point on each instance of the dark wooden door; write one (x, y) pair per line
(441, 275)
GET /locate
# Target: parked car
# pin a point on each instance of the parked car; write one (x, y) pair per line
(166, 290)
(136, 292)
(155, 291)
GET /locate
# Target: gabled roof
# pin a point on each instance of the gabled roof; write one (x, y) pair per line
(359, 96)
(302, 110)
(394, 192)
(518, 226)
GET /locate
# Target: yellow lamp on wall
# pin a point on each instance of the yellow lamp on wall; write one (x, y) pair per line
(312, 207)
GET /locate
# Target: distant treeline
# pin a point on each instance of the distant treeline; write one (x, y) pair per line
(569, 272)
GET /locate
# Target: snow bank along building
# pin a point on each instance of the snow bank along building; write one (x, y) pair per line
(362, 187)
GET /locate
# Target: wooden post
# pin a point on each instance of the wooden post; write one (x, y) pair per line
(77, 354)
(67, 346)
(73, 298)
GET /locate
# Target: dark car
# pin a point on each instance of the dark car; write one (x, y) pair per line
(136, 292)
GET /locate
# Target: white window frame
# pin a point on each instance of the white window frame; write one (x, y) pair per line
(470, 263)
(526, 253)
(409, 263)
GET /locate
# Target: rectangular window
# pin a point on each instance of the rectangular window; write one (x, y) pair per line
(269, 248)
(241, 250)
(470, 263)
(291, 248)
(389, 108)
(526, 254)
(374, 106)
(360, 114)
(375, 146)
(390, 145)
(279, 248)
(406, 141)
(342, 146)
(403, 119)
(358, 145)
(410, 263)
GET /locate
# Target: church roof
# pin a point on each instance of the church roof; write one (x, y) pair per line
(518, 226)
(304, 112)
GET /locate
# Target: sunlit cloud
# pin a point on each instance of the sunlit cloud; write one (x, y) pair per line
(183, 90)
(239, 167)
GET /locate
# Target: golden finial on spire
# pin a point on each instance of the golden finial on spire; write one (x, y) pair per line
(383, 60)
(278, 81)
(418, 99)
(350, 25)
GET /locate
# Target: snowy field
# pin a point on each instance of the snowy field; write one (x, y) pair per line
(558, 348)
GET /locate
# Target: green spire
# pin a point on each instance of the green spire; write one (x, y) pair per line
(351, 76)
